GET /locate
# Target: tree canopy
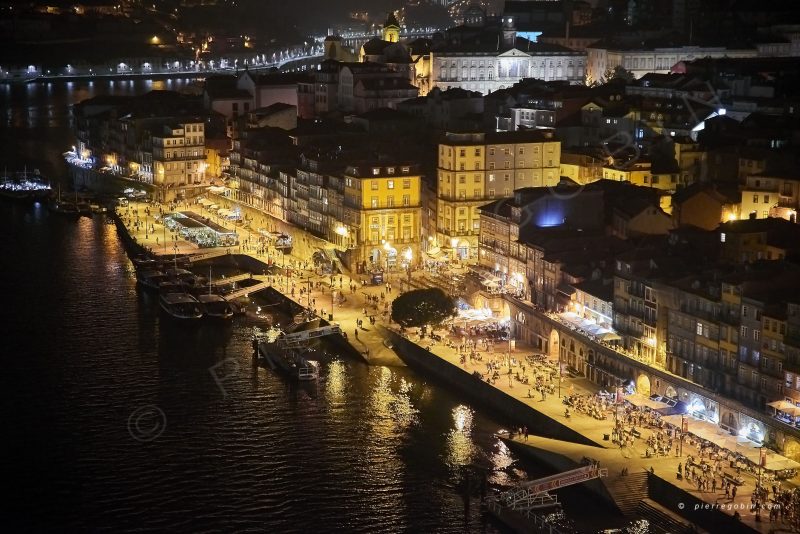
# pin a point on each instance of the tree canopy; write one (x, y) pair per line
(422, 306)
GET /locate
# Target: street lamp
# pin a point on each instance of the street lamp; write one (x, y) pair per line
(387, 248)
(408, 255)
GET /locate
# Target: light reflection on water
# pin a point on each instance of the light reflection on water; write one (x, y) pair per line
(460, 448)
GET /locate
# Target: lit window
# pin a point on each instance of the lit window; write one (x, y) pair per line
(390, 184)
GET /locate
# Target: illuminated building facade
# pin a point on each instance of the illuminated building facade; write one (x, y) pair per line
(382, 214)
(476, 168)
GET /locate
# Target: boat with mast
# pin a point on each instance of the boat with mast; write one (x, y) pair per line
(63, 207)
(215, 306)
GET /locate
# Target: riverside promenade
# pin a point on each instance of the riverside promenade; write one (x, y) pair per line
(353, 299)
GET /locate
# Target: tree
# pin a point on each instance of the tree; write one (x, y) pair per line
(422, 306)
(618, 73)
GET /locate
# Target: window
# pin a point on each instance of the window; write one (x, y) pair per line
(766, 199)
(744, 332)
(462, 179)
(406, 184)
(376, 171)
(374, 185)
(406, 200)
(756, 334)
(477, 152)
(390, 170)
(462, 152)
(477, 193)
(755, 199)
(390, 184)
(491, 151)
(744, 311)
(374, 202)
(390, 201)
(699, 329)
(722, 237)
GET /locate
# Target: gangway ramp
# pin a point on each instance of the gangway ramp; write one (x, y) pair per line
(231, 279)
(535, 494)
(216, 253)
(244, 291)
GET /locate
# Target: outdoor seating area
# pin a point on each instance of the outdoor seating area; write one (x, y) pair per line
(200, 230)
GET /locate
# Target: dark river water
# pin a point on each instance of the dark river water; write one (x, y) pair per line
(115, 419)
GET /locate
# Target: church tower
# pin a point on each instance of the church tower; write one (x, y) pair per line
(391, 29)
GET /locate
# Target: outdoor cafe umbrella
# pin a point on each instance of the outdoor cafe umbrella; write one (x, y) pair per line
(784, 406)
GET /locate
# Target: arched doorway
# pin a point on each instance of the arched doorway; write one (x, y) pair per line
(643, 385)
(553, 346)
(391, 258)
(791, 449)
(375, 258)
(463, 250)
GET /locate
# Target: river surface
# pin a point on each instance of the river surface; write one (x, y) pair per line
(116, 419)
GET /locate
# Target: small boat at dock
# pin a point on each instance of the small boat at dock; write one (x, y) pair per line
(151, 279)
(181, 306)
(288, 352)
(215, 306)
(60, 206)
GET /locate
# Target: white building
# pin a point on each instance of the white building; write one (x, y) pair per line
(641, 61)
(486, 56)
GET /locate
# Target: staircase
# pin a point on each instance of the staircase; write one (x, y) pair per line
(627, 491)
(662, 520)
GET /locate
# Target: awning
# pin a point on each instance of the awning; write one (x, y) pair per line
(609, 336)
(641, 400)
(785, 407)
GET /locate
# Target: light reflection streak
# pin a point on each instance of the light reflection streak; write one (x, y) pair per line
(460, 448)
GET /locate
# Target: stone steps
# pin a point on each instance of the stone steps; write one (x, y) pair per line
(627, 491)
(663, 520)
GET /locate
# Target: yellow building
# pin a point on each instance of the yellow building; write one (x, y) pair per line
(391, 29)
(178, 156)
(475, 168)
(637, 173)
(383, 214)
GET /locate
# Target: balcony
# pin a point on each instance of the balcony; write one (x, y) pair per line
(178, 158)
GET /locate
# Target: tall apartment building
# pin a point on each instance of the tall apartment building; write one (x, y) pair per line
(178, 156)
(475, 168)
(382, 214)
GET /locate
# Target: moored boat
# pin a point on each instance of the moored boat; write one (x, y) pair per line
(215, 306)
(181, 306)
(151, 279)
(24, 187)
(63, 207)
(281, 352)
